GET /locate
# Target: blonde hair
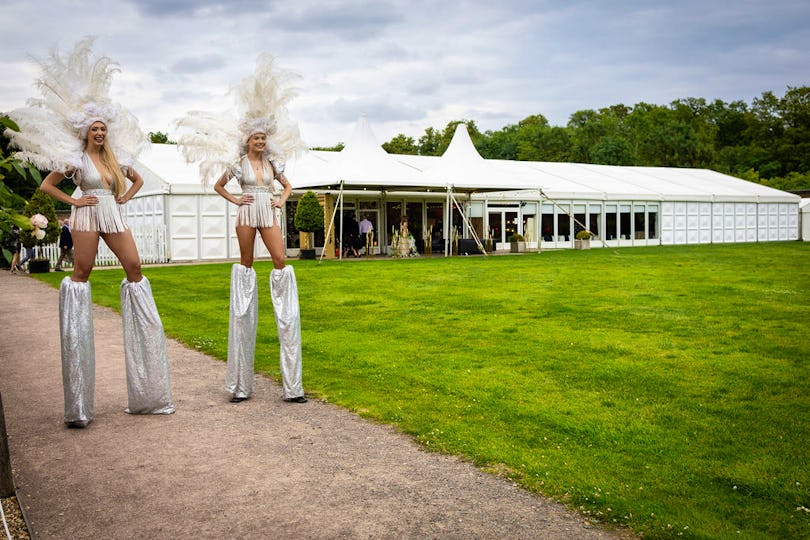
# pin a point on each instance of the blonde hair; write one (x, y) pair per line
(109, 160)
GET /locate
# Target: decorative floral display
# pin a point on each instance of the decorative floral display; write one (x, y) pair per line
(39, 222)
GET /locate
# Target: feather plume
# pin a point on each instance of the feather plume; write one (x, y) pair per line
(74, 93)
(217, 140)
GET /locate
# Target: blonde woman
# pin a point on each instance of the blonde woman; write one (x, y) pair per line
(76, 132)
(251, 149)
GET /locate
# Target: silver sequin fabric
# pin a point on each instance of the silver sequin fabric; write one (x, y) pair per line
(78, 350)
(284, 292)
(147, 365)
(244, 313)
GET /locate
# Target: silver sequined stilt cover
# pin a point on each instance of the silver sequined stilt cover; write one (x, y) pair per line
(145, 351)
(284, 291)
(244, 315)
(78, 350)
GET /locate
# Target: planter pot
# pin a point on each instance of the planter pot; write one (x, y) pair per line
(517, 247)
(582, 244)
(39, 266)
(307, 254)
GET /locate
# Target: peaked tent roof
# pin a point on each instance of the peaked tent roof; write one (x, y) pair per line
(462, 168)
(364, 164)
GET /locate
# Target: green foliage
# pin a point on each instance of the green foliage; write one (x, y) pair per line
(308, 213)
(159, 137)
(401, 144)
(41, 203)
(16, 178)
(583, 235)
(770, 137)
(337, 148)
(679, 413)
(515, 237)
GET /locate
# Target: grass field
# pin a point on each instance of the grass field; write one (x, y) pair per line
(662, 389)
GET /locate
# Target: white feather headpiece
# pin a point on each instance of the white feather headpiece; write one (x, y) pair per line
(217, 140)
(75, 93)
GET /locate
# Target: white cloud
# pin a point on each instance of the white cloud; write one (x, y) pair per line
(415, 64)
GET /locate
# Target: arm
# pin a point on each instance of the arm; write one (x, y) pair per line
(49, 186)
(219, 187)
(287, 190)
(137, 184)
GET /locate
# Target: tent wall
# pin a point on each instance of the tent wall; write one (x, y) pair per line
(727, 222)
(146, 219)
(203, 227)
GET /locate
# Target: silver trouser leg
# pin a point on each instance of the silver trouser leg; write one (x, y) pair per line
(78, 351)
(242, 331)
(284, 291)
(145, 351)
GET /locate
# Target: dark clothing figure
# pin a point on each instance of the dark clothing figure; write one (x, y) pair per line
(65, 247)
(351, 237)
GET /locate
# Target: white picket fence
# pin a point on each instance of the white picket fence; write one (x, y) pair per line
(150, 240)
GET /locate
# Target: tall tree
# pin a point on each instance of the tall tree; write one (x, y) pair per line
(401, 144)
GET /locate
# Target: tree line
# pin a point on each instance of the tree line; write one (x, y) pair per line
(767, 142)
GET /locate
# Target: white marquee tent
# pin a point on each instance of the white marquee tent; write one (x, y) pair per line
(175, 218)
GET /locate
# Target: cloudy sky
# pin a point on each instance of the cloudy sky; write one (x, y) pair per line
(413, 64)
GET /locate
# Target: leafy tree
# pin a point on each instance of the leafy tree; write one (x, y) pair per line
(501, 144)
(337, 148)
(13, 174)
(159, 137)
(428, 144)
(401, 144)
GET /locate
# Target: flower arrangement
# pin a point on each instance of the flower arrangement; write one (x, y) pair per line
(40, 223)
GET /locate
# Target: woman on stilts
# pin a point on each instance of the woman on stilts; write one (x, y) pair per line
(260, 137)
(76, 132)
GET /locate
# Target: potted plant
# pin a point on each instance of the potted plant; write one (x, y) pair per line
(44, 229)
(517, 243)
(308, 219)
(583, 240)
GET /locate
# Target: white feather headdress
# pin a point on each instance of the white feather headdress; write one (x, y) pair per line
(217, 140)
(75, 93)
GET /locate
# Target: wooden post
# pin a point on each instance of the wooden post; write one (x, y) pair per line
(6, 481)
(328, 203)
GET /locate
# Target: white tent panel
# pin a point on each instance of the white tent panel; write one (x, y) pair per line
(213, 225)
(184, 229)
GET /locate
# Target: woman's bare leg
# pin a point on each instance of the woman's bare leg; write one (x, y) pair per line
(123, 245)
(271, 236)
(85, 248)
(247, 238)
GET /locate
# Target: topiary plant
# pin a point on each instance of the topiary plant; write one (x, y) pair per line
(308, 217)
(41, 203)
(584, 235)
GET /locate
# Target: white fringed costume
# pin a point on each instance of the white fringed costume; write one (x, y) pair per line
(52, 136)
(218, 142)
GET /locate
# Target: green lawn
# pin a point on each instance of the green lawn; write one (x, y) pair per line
(663, 389)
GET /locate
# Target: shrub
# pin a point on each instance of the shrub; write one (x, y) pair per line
(308, 213)
(584, 235)
(41, 203)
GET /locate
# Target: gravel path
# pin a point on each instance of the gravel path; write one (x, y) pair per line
(259, 469)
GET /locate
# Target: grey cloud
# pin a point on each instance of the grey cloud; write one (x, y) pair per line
(379, 108)
(199, 64)
(158, 8)
(349, 20)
